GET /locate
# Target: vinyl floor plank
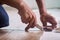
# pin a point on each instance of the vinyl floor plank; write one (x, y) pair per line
(21, 35)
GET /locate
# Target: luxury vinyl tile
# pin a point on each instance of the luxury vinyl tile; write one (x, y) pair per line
(20, 35)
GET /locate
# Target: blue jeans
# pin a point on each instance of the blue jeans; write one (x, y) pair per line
(4, 19)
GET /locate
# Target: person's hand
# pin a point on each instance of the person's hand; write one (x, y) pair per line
(28, 17)
(48, 18)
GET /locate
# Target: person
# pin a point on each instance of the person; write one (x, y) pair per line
(27, 15)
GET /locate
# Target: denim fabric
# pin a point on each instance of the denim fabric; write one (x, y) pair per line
(4, 19)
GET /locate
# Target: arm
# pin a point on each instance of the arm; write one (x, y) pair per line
(44, 16)
(26, 13)
(41, 6)
(13, 3)
(18, 4)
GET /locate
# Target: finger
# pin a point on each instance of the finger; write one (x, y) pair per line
(30, 17)
(28, 20)
(34, 20)
(24, 19)
(31, 23)
(27, 28)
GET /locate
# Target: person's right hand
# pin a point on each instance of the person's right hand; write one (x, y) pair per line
(28, 17)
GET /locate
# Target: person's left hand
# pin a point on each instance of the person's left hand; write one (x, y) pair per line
(46, 18)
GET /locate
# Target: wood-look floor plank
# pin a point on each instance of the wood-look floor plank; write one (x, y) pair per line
(19, 35)
(4, 32)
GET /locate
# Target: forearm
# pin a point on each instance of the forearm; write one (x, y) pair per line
(25, 9)
(41, 6)
(14, 3)
(19, 4)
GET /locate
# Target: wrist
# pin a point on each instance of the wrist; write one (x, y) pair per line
(19, 5)
(23, 8)
(43, 12)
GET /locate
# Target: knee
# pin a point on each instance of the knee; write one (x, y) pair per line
(4, 25)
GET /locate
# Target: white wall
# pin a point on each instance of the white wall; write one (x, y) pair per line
(49, 3)
(52, 3)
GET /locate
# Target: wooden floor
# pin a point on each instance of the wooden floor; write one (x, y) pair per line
(19, 35)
